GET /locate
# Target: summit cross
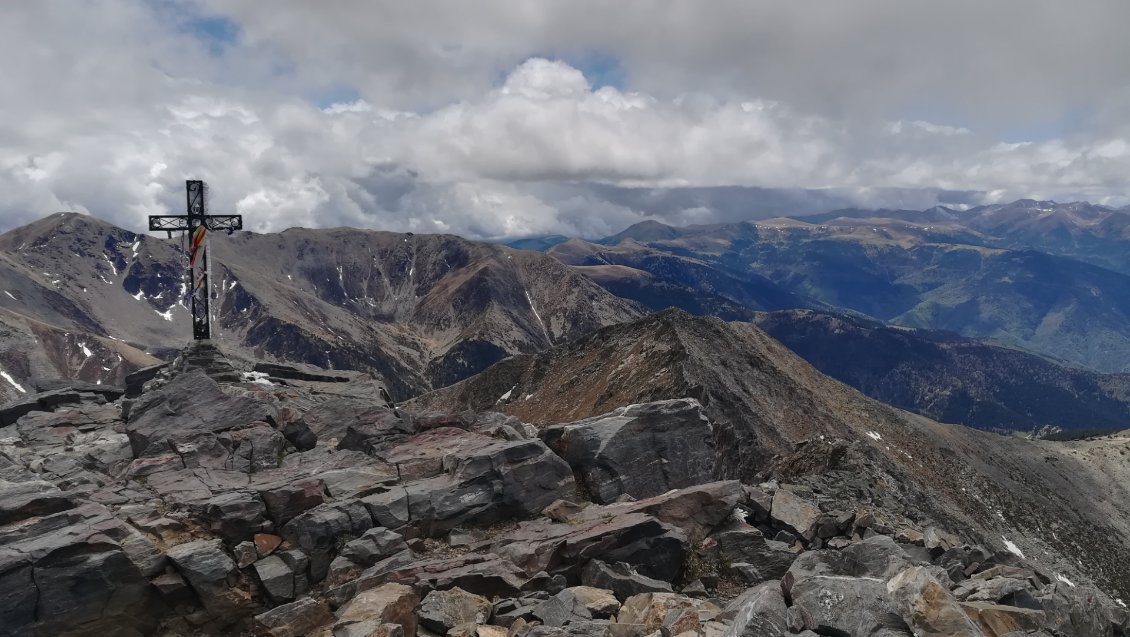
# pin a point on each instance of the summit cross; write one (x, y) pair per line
(197, 223)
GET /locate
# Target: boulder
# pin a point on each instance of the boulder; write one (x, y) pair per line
(276, 578)
(236, 515)
(599, 602)
(758, 612)
(795, 513)
(321, 529)
(750, 554)
(656, 549)
(927, 606)
(386, 604)
(845, 590)
(33, 498)
(672, 613)
(374, 545)
(189, 405)
(563, 608)
(284, 501)
(695, 510)
(639, 450)
(994, 619)
(295, 619)
(443, 610)
(621, 579)
(210, 573)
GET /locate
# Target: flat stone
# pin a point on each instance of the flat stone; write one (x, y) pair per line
(621, 579)
(798, 515)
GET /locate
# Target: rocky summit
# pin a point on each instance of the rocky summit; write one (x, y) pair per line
(218, 497)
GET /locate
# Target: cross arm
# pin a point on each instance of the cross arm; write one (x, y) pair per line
(180, 222)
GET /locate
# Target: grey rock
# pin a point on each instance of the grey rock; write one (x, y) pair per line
(756, 558)
(563, 608)
(655, 549)
(639, 450)
(210, 573)
(441, 611)
(758, 612)
(295, 619)
(276, 578)
(374, 545)
(927, 606)
(798, 515)
(236, 516)
(245, 554)
(285, 501)
(319, 530)
(621, 579)
(189, 405)
(33, 498)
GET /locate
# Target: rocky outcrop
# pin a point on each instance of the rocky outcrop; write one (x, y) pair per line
(639, 450)
(468, 524)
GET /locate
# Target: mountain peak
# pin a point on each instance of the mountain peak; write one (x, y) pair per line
(644, 231)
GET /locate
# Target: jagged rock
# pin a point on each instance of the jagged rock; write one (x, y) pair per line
(389, 508)
(656, 549)
(245, 554)
(371, 430)
(298, 433)
(342, 570)
(91, 585)
(673, 613)
(279, 371)
(927, 606)
(374, 545)
(191, 404)
(621, 579)
(989, 590)
(387, 604)
(443, 610)
(599, 602)
(995, 619)
(562, 608)
(318, 531)
(845, 590)
(299, 564)
(1078, 610)
(757, 559)
(236, 515)
(695, 510)
(33, 498)
(276, 578)
(938, 541)
(488, 483)
(136, 380)
(254, 449)
(641, 450)
(794, 512)
(758, 612)
(295, 619)
(210, 573)
(285, 501)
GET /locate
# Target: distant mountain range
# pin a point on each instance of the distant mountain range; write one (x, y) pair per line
(80, 298)
(1015, 274)
(1030, 335)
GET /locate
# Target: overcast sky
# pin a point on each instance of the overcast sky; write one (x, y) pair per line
(514, 118)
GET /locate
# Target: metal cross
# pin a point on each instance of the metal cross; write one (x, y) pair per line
(197, 222)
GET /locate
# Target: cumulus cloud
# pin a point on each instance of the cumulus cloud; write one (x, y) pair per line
(468, 119)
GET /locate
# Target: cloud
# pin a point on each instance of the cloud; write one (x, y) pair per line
(463, 118)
